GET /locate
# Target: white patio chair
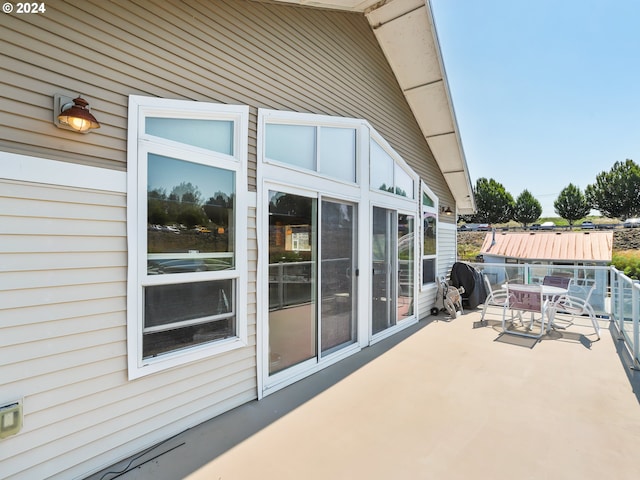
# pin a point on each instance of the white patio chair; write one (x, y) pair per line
(574, 307)
(526, 298)
(556, 281)
(495, 298)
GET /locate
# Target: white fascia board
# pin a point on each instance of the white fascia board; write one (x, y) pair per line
(348, 5)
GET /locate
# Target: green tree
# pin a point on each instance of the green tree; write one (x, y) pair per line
(571, 204)
(157, 211)
(191, 215)
(493, 203)
(616, 194)
(186, 192)
(527, 209)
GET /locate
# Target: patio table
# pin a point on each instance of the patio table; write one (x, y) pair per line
(549, 294)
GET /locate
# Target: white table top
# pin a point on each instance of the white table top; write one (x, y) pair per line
(546, 289)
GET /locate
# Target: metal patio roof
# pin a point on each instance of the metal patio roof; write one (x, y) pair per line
(407, 36)
(570, 246)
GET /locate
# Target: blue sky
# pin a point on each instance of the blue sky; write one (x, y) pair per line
(546, 92)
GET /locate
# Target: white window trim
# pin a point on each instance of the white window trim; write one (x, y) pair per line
(435, 210)
(139, 142)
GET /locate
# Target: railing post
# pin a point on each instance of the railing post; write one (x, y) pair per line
(280, 284)
(635, 297)
(620, 306)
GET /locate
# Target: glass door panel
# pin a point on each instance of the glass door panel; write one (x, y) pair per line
(384, 252)
(405, 265)
(292, 280)
(337, 284)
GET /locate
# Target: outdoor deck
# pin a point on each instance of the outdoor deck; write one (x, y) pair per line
(441, 400)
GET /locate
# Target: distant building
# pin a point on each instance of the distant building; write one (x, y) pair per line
(550, 248)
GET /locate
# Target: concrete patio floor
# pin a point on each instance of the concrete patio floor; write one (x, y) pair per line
(441, 400)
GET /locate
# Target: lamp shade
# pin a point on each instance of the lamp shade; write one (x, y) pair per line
(77, 117)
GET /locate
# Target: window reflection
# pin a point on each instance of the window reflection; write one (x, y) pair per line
(338, 153)
(403, 183)
(190, 216)
(216, 135)
(427, 201)
(405, 265)
(292, 280)
(429, 233)
(182, 315)
(292, 144)
(381, 168)
(387, 175)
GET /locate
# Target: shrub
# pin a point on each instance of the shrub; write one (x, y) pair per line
(628, 262)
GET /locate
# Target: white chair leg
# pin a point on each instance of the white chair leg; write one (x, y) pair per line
(484, 310)
(594, 322)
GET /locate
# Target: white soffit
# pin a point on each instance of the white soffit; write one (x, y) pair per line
(447, 146)
(408, 43)
(431, 109)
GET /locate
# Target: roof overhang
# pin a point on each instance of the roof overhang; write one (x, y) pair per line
(406, 33)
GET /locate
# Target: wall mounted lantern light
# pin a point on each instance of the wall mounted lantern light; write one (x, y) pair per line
(446, 211)
(73, 114)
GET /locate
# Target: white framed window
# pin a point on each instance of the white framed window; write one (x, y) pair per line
(388, 172)
(429, 211)
(187, 205)
(325, 145)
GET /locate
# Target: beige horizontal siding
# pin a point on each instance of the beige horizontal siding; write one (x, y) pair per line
(59, 296)
(447, 250)
(446, 258)
(45, 261)
(91, 439)
(24, 333)
(63, 339)
(233, 51)
(426, 301)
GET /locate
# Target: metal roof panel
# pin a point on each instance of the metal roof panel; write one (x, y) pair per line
(572, 246)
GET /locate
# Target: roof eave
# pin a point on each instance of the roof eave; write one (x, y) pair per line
(406, 33)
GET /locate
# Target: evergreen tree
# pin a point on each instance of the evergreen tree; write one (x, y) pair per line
(571, 204)
(527, 209)
(616, 194)
(493, 203)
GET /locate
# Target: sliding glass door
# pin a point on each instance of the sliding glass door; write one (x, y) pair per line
(383, 284)
(338, 275)
(392, 281)
(292, 280)
(406, 265)
(312, 294)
